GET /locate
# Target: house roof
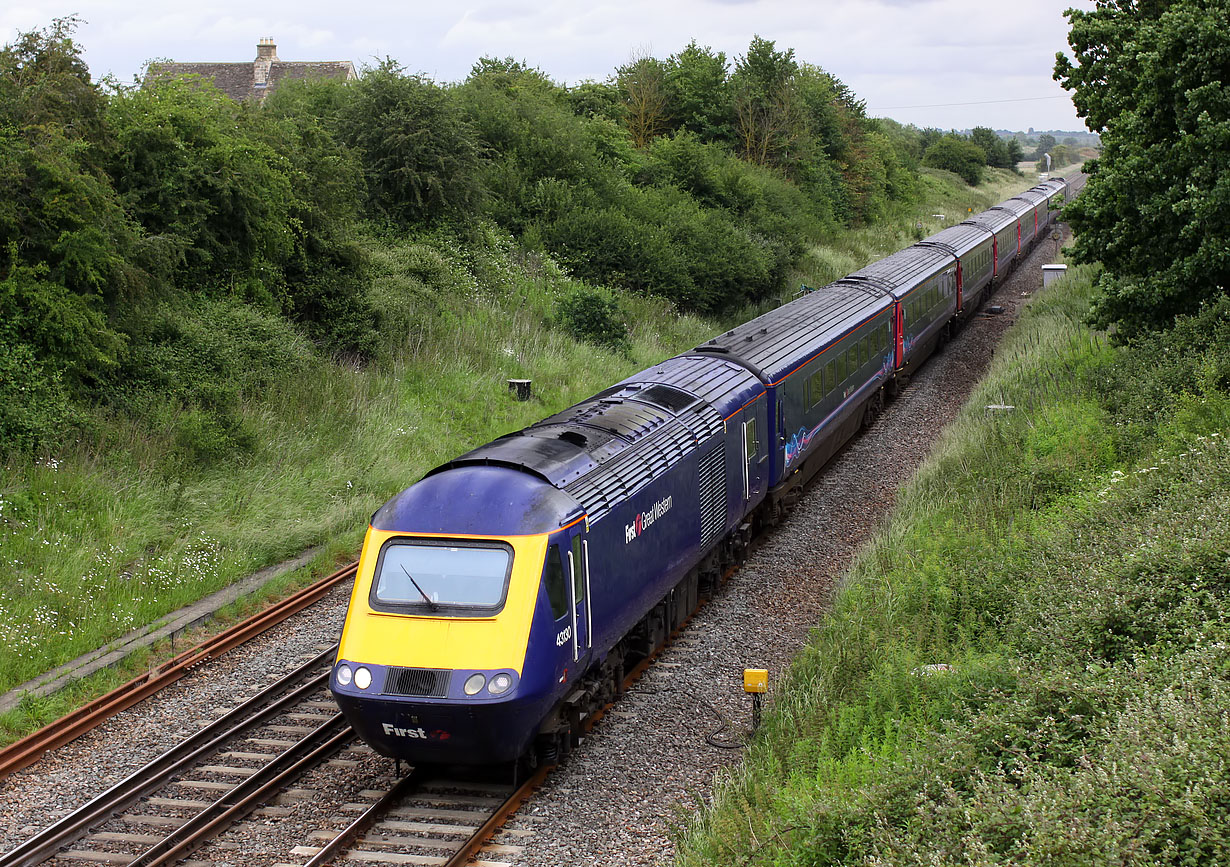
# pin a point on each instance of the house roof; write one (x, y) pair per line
(257, 78)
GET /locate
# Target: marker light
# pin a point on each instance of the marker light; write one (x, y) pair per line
(474, 684)
(343, 675)
(362, 678)
(755, 680)
(500, 684)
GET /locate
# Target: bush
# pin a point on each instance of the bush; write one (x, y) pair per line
(419, 152)
(65, 330)
(961, 157)
(189, 164)
(595, 316)
(192, 366)
(34, 408)
(1179, 379)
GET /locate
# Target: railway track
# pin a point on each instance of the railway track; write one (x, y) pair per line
(183, 797)
(424, 820)
(230, 777)
(29, 750)
(239, 772)
(242, 769)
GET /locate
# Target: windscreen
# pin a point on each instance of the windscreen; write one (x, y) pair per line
(441, 578)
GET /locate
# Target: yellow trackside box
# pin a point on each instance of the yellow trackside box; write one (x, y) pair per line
(755, 680)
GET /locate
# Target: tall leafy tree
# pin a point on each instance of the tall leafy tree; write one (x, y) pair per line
(768, 114)
(1046, 141)
(643, 85)
(993, 146)
(65, 241)
(698, 85)
(1150, 76)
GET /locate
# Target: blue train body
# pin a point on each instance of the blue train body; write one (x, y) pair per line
(500, 600)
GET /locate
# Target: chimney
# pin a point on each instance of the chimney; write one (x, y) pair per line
(266, 56)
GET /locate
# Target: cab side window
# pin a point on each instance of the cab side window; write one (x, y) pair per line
(578, 568)
(553, 577)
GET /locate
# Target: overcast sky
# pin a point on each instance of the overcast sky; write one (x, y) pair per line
(944, 63)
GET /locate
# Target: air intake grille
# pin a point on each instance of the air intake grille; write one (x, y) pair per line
(712, 495)
(417, 681)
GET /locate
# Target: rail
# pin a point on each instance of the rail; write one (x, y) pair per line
(30, 749)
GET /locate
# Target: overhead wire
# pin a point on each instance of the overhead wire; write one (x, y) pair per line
(955, 104)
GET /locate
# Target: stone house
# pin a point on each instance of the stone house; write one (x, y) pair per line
(255, 80)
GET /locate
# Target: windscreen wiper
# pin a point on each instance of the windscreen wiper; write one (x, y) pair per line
(431, 603)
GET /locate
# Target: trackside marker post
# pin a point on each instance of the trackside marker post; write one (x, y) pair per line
(756, 682)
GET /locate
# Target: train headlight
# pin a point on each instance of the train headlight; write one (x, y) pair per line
(500, 684)
(474, 684)
(362, 678)
(343, 675)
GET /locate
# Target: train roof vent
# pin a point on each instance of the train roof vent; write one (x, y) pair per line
(627, 473)
(574, 437)
(667, 397)
(627, 419)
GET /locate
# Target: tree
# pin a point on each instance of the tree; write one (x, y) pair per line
(66, 245)
(1150, 77)
(767, 114)
(598, 99)
(420, 154)
(1046, 141)
(647, 103)
(957, 155)
(699, 90)
(995, 147)
(1015, 153)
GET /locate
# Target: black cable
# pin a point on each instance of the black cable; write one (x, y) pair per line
(712, 737)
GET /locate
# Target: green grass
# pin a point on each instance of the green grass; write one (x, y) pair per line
(1070, 561)
(141, 516)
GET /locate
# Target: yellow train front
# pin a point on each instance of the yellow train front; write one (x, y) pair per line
(435, 662)
(499, 600)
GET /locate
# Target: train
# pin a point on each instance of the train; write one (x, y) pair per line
(499, 601)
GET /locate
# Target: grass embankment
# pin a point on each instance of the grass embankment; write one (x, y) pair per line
(143, 517)
(1031, 663)
(120, 530)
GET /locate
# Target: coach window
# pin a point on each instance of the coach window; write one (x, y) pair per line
(557, 590)
(753, 446)
(815, 387)
(830, 380)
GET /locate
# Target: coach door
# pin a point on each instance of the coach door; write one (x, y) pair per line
(578, 593)
(755, 451)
